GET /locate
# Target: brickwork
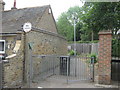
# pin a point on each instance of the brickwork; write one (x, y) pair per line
(104, 59)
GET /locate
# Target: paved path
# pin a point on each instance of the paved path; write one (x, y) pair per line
(60, 83)
(82, 73)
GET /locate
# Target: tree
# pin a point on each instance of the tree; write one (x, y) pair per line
(65, 23)
(90, 19)
(64, 27)
(102, 16)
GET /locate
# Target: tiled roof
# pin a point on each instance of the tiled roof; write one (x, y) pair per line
(14, 19)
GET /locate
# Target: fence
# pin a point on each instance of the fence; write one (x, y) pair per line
(115, 74)
(61, 67)
(85, 48)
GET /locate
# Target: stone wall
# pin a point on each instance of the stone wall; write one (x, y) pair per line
(47, 21)
(17, 70)
(44, 43)
(13, 71)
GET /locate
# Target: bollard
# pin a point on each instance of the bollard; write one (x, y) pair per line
(92, 62)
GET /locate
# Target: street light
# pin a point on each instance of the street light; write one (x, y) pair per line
(74, 36)
(75, 44)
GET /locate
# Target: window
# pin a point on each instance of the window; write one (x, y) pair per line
(2, 46)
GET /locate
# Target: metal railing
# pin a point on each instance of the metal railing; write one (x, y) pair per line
(61, 67)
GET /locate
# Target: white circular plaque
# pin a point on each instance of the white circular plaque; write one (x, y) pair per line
(27, 27)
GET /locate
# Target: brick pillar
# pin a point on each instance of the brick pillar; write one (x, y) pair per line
(104, 58)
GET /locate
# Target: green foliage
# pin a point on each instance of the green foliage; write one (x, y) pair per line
(94, 56)
(71, 52)
(64, 27)
(102, 16)
(90, 19)
(65, 23)
(115, 48)
(95, 41)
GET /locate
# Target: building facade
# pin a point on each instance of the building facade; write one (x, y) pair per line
(43, 35)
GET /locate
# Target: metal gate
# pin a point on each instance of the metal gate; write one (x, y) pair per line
(61, 67)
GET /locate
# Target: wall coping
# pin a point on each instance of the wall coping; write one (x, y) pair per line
(47, 32)
(7, 34)
(105, 33)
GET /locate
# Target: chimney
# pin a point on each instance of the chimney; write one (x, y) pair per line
(2, 5)
(14, 5)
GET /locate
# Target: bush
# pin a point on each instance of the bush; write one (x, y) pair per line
(95, 57)
(95, 41)
(115, 48)
(92, 56)
(71, 52)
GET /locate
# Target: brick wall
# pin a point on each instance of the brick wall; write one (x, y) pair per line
(104, 59)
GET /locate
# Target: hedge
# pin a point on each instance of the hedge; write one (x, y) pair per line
(95, 41)
(115, 48)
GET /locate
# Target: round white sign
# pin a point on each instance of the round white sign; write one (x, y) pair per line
(27, 27)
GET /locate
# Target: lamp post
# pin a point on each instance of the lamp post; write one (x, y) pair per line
(75, 44)
(74, 36)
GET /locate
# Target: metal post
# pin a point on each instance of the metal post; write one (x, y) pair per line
(75, 44)
(67, 69)
(74, 37)
(93, 68)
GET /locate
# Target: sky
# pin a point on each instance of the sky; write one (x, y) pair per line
(58, 6)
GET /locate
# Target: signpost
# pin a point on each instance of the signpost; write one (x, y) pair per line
(27, 27)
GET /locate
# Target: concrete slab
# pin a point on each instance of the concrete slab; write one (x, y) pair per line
(60, 83)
